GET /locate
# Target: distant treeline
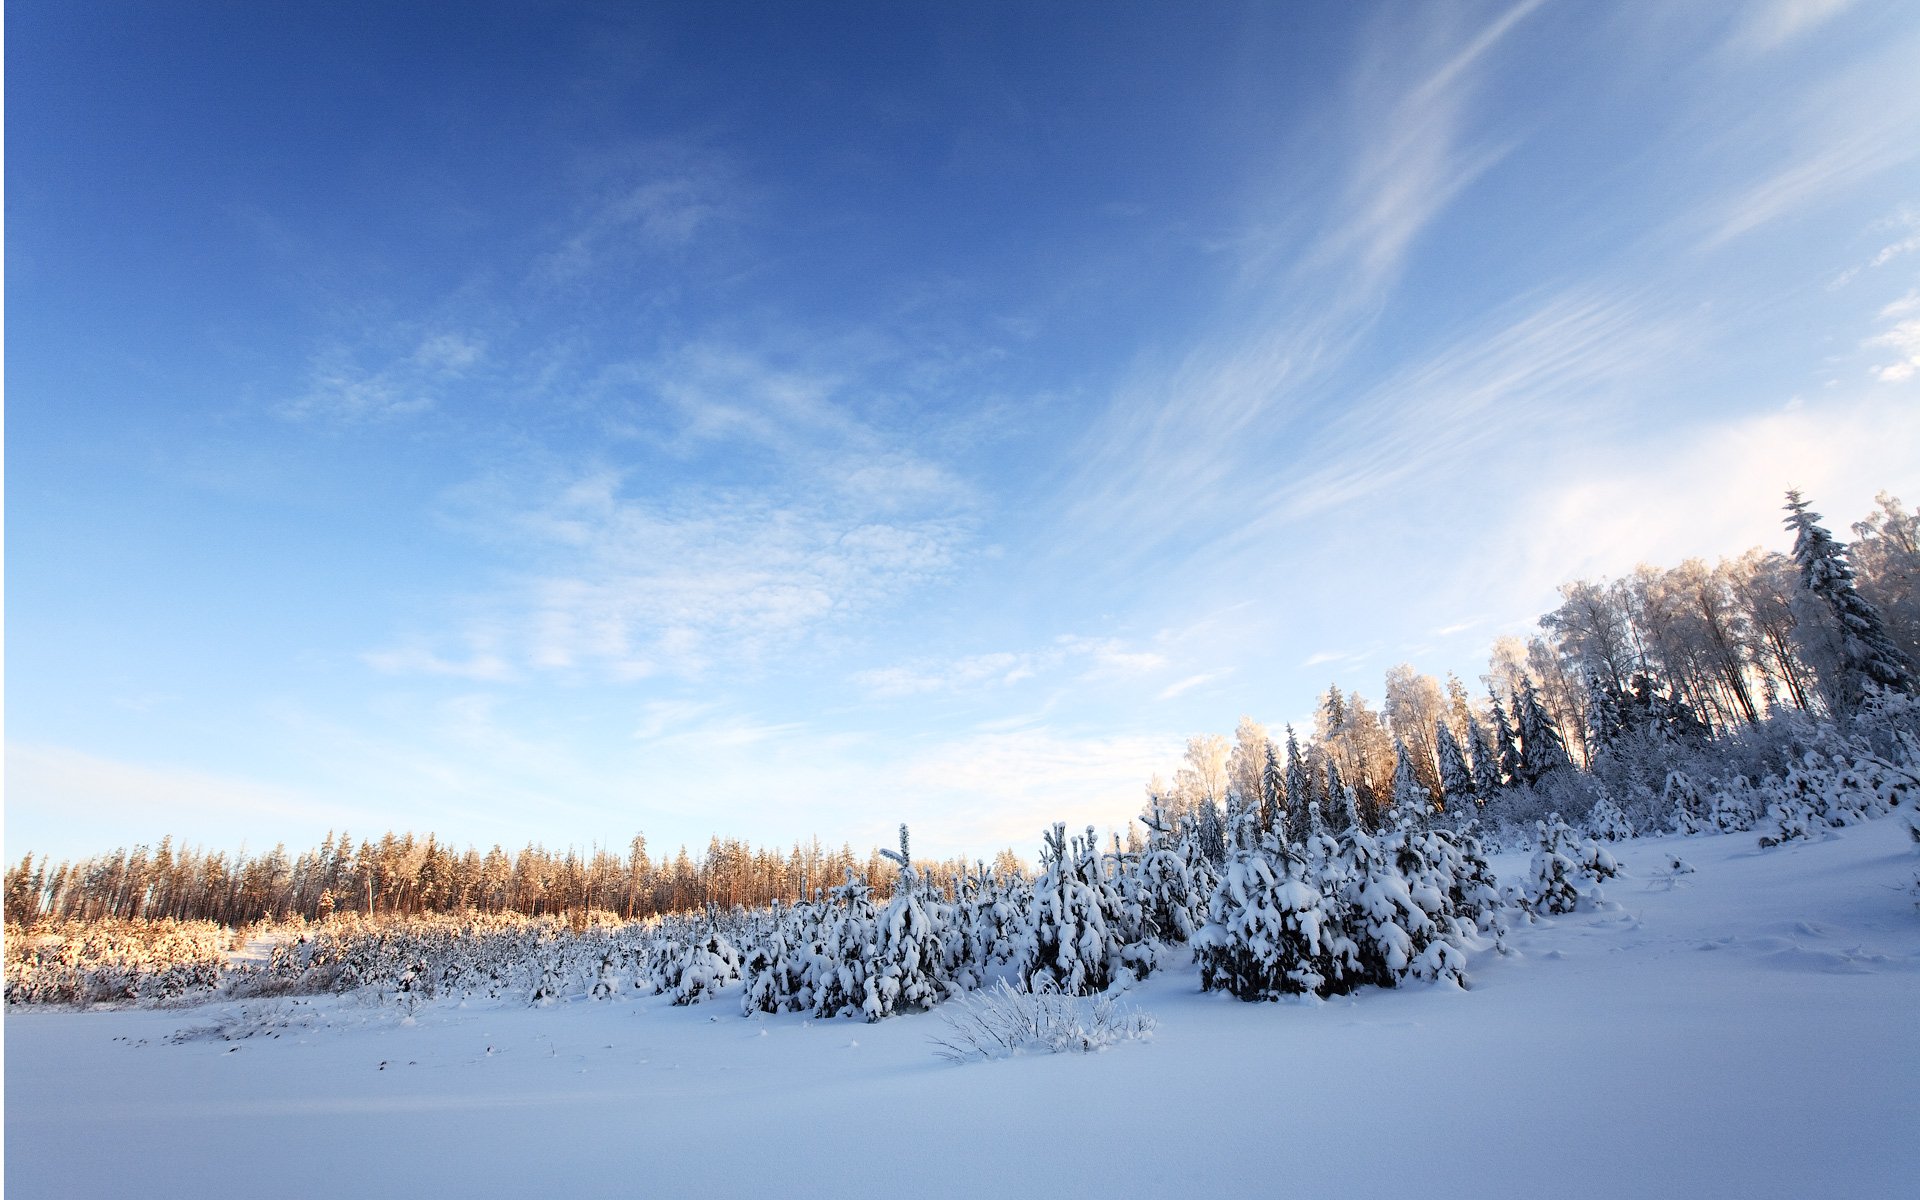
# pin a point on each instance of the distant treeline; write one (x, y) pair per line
(401, 874)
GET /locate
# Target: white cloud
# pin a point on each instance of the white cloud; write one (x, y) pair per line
(627, 587)
(1902, 336)
(1812, 145)
(414, 656)
(1713, 490)
(994, 789)
(56, 795)
(1093, 658)
(1182, 686)
(342, 390)
(1772, 24)
(660, 200)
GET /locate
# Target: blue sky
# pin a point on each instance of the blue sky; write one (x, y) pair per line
(551, 422)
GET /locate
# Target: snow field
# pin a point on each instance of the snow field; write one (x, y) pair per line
(1743, 1030)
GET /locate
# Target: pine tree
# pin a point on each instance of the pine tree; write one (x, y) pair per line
(1868, 657)
(1070, 948)
(1270, 933)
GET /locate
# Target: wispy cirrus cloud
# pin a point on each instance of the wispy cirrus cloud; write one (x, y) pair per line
(1415, 154)
(1219, 414)
(343, 389)
(1181, 687)
(638, 586)
(653, 200)
(1902, 337)
(1768, 26)
(1090, 658)
(1816, 142)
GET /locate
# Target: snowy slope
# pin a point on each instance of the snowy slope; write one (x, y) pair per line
(1745, 1030)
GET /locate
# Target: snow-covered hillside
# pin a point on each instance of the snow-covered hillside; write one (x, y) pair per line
(1744, 1029)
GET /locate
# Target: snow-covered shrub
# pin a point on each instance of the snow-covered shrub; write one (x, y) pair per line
(1004, 1021)
(107, 962)
(1734, 805)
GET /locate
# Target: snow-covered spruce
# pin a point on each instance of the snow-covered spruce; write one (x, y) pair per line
(1270, 932)
(1069, 946)
(1562, 858)
(905, 969)
(1606, 822)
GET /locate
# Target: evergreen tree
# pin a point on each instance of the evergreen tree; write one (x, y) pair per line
(1269, 933)
(1456, 780)
(1506, 751)
(1070, 948)
(1411, 804)
(1486, 763)
(906, 971)
(1868, 657)
(1299, 779)
(1542, 750)
(1273, 794)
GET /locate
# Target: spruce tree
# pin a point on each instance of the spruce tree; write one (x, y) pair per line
(1411, 804)
(1273, 794)
(1868, 657)
(1456, 781)
(1542, 750)
(1486, 763)
(1299, 779)
(1506, 751)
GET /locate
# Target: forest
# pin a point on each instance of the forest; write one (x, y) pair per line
(1701, 670)
(1776, 694)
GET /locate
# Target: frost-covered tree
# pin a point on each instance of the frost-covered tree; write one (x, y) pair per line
(1456, 778)
(1273, 794)
(1070, 947)
(1561, 860)
(1542, 750)
(1487, 778)
(1506, 751)
(1868, 658)
(905, 970)
(1607, 822)
(1168, 896)
(1299, 777)
(1690, 811)
(1411, 803)
(1269, 932)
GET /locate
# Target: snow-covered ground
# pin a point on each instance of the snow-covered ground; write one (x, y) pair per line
(1746, 1030)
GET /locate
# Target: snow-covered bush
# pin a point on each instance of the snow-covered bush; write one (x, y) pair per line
(1003, 1021)
(107, 962)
